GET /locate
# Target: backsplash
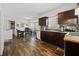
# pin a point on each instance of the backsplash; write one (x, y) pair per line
(68, 27)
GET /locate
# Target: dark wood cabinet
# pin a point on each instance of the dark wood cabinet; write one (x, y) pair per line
(64, 16)
(71, 48)
(42, 21)
(55, 38)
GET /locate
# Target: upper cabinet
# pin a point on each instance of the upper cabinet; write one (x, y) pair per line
(64, 16)
(42, 21)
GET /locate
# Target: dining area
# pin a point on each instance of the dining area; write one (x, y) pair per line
(25, 32)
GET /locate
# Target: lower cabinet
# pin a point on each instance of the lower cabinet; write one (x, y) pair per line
(71, 48)
(55, 38)
(8, 35)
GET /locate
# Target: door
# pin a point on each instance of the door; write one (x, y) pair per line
(12, 26)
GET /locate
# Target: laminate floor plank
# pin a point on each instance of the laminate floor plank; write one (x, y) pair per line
(31, 47)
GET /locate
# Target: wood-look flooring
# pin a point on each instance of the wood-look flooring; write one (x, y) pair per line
(31, 47)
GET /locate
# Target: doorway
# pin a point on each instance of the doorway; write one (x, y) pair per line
(12, 26)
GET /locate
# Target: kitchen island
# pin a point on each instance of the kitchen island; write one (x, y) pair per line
(71, 45)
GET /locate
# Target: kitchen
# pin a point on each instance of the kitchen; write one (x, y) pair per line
(66, 29)
(57, 27)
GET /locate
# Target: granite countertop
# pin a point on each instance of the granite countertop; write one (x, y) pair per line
(71, 38)
(55, 31)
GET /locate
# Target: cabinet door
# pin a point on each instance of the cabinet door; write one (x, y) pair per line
(44, 36)
(71, 48)
(53, 38)
(60, 18)
(42, 21)
(64, 16)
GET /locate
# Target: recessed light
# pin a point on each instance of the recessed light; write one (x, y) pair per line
(27, 17)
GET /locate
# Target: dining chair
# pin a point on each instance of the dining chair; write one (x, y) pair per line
(28, 31)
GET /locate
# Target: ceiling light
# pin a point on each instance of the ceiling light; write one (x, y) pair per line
(27, 17)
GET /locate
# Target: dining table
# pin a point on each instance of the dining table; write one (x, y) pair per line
(20, 32)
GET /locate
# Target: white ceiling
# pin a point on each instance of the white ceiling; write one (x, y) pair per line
(27, 9)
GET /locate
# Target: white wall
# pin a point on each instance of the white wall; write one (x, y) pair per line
(30, 22)
(53, 23)
(1, 32)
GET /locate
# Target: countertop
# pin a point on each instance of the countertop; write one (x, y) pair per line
(55, 31)
(71, 38)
